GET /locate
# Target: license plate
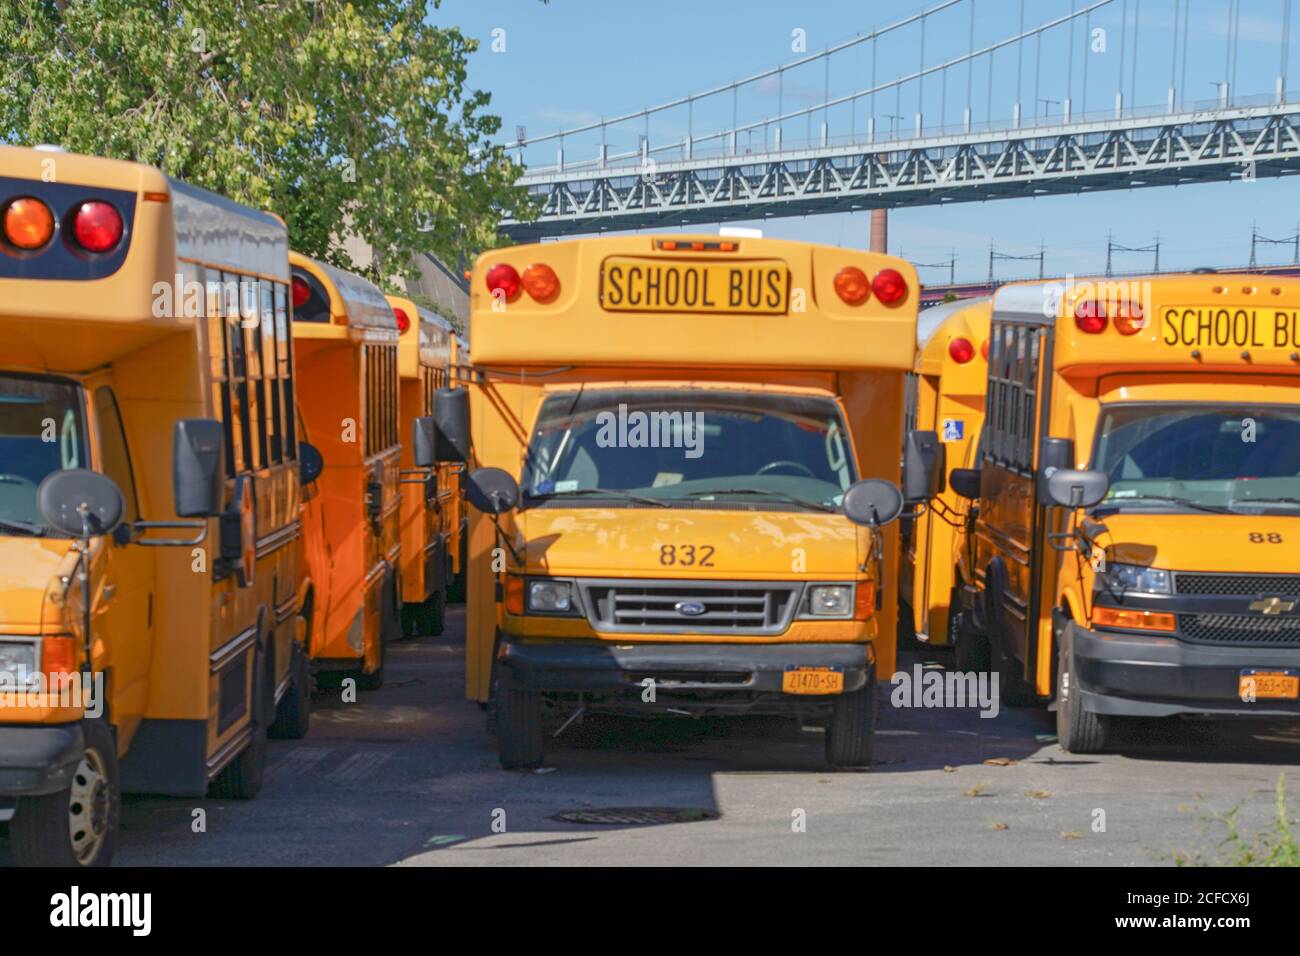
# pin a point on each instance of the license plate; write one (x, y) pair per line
(1260, 684)
(757, 287)
(1223, 327)
(813, 680)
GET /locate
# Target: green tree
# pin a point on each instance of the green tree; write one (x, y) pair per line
(346, 117)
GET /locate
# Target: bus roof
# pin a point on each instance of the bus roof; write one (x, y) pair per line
(354, 301)
(1221, 321)
(218, 231)
(709, 301)
(436, 334)
(929, 321)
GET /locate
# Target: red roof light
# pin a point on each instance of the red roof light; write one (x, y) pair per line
(97, 226)
(889, 286)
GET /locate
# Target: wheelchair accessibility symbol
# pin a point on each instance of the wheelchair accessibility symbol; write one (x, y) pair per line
(954, 429)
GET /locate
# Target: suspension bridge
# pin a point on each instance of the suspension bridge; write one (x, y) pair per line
(946, 130)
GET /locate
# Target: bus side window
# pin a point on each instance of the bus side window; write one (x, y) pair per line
(284, 364)
(218, 352)
(113, 449)
(269, 386)
(237, 369)
(250, 328)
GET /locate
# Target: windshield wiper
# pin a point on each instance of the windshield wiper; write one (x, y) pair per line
(603, 492)
(1284, 500)
(24, 527)
(816, 505)
(1172, 499)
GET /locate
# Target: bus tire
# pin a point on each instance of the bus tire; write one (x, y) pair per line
(1078, 731)
(519, 727)
(77, 826)
(851, 733)
(426, 618)
(971, 652)
(1013, 689)
(241, 779)
(293, 715)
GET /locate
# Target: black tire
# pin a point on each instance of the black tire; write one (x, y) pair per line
(519, 727)
(1078, 731)
(241, 779)
(1013, 689)
(77, 826)
(971, 652)
(424, 619)
(293, 714)
(851, 733)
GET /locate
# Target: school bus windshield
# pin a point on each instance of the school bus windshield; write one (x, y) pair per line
(1241, 459)
(655, 447)
(41, 431)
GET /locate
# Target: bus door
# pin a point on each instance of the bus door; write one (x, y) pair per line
(126, 585)
(1011, 525)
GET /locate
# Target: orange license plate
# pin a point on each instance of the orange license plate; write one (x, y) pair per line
(813, 680)
(1259, 684)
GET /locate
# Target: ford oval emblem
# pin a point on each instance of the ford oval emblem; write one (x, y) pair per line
(689, 608)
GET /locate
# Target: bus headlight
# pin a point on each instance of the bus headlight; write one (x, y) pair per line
(1135, 579)
(18, 665)
(550, 597)
(829, 600)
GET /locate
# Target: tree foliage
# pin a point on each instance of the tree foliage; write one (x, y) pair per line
(346, 117)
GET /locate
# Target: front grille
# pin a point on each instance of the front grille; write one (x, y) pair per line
(667, 679)
(1238, 585)
(729, 607)
(1240, 629)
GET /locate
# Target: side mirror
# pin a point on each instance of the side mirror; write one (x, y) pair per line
(492, 491)
(873, 502)
(966, 482)
(239, 531)
(924, 457)
(80, 503)
(1076, 489)
(424, 449)
(451, 425)
(1054, 454)
(197, 472)
(310, 462)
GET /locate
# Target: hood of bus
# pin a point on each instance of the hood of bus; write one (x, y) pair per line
(1204, 541)
(27, 566)
(694, 543)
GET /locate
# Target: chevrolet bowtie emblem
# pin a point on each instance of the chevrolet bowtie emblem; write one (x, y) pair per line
(1272, 605)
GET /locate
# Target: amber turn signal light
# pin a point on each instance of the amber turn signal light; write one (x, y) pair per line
(852, 286)
(1132, 620)
(28, 223)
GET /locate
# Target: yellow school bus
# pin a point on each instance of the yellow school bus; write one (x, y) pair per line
(1139, 500)
(424, 358)
(685, 456)
(146, 398)
(946, 396)
(345, 346)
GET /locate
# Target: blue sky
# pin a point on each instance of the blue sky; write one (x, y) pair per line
(572, 62)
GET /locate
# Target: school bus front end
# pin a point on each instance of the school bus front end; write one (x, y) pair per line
(1164, 581)
(668, 512)
(152, 643)
(947, 398)
(429, 514)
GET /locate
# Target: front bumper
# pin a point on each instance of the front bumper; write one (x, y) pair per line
(1146, 676)
(37, 760)
(589, 665)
